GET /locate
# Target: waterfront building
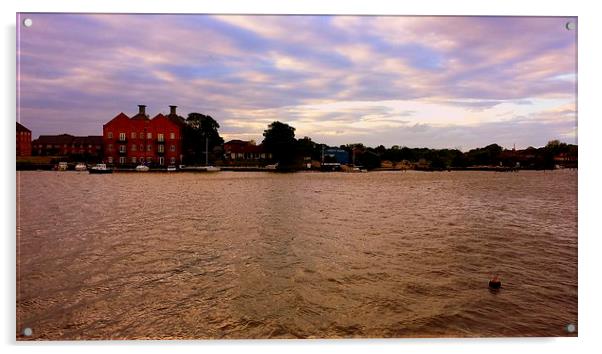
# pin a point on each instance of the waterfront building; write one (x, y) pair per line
(143, 140)
(239, 150)
(339, 156)
(68, 145)
(23, 140)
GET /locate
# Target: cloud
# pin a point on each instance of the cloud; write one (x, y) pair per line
(335, 78)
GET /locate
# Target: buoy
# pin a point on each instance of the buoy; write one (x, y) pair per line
(495, 283)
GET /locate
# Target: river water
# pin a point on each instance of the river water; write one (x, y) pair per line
(302, 255)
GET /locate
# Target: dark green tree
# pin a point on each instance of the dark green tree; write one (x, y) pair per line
(279, 139)
(308, 148)
(369, 159)
(199, 128)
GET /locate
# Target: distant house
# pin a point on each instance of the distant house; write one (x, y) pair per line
(239, 150)
(68, 145)
(140, 139)
(23, 140)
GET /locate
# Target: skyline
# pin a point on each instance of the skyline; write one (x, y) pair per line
(440, 82)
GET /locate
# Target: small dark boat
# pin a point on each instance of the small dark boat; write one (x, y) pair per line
(495, 283)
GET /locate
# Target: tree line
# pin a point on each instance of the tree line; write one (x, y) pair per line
(201, 132)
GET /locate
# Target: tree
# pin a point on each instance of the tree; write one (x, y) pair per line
(307, 148)
(369, 160)
(279, 139)
(198, 129)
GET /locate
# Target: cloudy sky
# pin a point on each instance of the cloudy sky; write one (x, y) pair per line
(457, 82)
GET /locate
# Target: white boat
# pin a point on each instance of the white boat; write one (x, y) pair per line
(272, 167)
(62, 166)
(171, 168)
(206, 168)
(212, 169)
(81, 167)
(100, 168)
(202, 168)
(142, 168)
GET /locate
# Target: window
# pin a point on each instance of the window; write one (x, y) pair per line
(172, 148)
(133, 135)
(133, 159)
(172, 135)
(110, 160)
(110, 147)
(122, 159)
(149, 148)
(172, 160)
(121, 148)
(160, 137)
(121, 136)
(160, 148)
(110, 135)
(134, 147)
(141, 147)
(149, 135)
(161, 160)
(141, 135)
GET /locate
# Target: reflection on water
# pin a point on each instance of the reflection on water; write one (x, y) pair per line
(265, 255)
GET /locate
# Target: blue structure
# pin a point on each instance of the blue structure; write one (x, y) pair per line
(341, 156)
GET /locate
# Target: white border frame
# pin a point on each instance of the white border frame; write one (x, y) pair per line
(589, 109)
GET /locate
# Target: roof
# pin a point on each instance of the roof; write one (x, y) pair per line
(141, 116)
(236, 141)
(121, 115)
(54, 139)
(68, 139)
(176, 119)
(87, 140)
(239, 146)
(22, 128)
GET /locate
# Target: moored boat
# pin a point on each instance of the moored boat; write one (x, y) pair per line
(202, 168)
(100, 169)
(212, 169)
(142, 168)
(62, 166)
(81, 167)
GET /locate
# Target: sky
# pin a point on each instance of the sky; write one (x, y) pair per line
(438, 82)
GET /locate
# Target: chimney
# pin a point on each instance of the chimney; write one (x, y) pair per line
(142, 109)
(172, 110)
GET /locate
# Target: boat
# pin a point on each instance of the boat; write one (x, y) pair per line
(81, 167)
(142, 168)
(62, 166)
(271, 167)
(202, 168)
(171, 168)
(207, 167)
(212, 169)
(100, 168)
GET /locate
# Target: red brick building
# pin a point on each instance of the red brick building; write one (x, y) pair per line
(142, 140)
(239, 150)
(23, 140)
(68, 145)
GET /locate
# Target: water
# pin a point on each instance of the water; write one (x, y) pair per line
(305, 255)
